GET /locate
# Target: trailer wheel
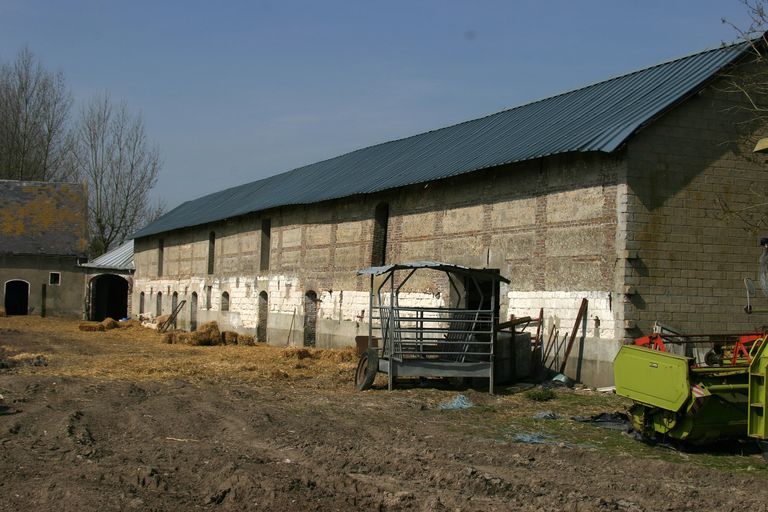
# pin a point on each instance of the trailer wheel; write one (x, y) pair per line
(363, 378)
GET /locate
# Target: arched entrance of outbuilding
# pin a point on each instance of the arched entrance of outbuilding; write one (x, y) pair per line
(109, 297)
(16, 297)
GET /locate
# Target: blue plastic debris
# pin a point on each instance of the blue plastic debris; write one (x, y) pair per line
(533, 438)
(458, 402)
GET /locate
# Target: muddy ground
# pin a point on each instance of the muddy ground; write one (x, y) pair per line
(118, 420)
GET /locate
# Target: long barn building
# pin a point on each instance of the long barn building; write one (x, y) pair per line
(614, 192)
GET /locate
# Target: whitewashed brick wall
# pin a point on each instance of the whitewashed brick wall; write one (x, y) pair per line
(562, 307)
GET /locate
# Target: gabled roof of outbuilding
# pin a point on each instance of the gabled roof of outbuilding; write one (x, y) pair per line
(599, 117)
(119, 258)
(43, 218)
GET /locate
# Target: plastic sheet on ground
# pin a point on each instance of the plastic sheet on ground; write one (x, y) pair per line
(613, 421)
(545, 415)
(458, 402)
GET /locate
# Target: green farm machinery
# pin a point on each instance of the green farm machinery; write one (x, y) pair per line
(698, 388)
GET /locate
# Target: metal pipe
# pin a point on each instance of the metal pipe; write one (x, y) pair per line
(714, 388)
(720, 369)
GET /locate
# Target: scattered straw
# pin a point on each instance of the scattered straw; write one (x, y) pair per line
(140, 353)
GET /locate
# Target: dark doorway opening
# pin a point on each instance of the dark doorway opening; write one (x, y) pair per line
(480, 293)
(310, 319)
(109, 297)
(16, 297)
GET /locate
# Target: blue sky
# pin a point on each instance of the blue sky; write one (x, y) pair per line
(233, 91)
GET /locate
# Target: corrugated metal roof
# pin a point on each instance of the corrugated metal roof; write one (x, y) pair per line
(120, 258)
(599, 117)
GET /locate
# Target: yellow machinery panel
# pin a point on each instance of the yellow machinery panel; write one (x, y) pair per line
(651, 377)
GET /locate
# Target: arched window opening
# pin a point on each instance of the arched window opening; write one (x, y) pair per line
(310, 319)
(225, 301)
(141, 303)
(174, 304)
(261, 326)
(380, 226)
(193, 312)
(159, 305)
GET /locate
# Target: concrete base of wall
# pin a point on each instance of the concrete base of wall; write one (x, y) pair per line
(288, 330)
(590, 361)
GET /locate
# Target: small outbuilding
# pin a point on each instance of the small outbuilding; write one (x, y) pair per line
(43, 239)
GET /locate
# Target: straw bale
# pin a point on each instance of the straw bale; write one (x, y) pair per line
(229, 337)
(169, 337)
(211, 329)
(109, 323)
(208, 334)
(90, 327)
(344, 355)
(246, 339)
(182, 337)
(296, 353)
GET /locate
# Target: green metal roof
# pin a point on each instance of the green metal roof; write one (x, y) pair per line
(599, 117)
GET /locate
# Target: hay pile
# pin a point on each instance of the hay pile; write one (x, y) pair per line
(91, 327)
(344, 355)
(110, 323)
(139, 354)
(22, 359)
(246, 339)
(208, 335)
(229, 338)
(105, 325)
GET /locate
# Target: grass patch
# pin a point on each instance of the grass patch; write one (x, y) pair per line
(540, 395)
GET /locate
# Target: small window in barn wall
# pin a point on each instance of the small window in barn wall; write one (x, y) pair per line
(211, 251)
(160, 256)
(225, 301)
(141, 302)
(54, 278)
(380, 226)
(266, 232)
(207, 297)
(159, 305)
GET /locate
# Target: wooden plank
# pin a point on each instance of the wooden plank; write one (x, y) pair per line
(577, 323)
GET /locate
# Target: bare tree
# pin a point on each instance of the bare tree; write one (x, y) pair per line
(754, 85)
(34, 110)
(113, 156)
(748, 209)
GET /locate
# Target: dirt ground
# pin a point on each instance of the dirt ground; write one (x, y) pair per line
(118, 420)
